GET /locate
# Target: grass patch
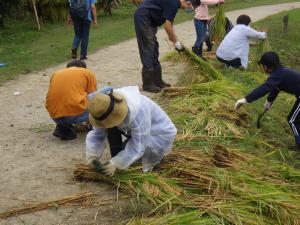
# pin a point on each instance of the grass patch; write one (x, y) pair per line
(26, 50)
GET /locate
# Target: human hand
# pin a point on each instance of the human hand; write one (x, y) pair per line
(268, 105)
(109, 169)
(94, 163)
(95, 22)
(179, 46)
(239, 103)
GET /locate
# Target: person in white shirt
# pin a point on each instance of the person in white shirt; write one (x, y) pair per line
(234, 49)
(148, 129)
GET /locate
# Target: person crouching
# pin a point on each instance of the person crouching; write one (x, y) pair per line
(148, 133)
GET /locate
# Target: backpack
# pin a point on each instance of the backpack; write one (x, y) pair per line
(78, 9)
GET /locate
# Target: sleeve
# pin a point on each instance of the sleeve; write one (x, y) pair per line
(209, 2)
(255, 34)
(95, 142)
(273, 95)
(135, 148)
(271, 84)
(170, 9)
(92, 83)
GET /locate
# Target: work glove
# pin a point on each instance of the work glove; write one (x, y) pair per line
(268, 105)
(94, 163)
(109, 169)
(179, 46)
(239, 103)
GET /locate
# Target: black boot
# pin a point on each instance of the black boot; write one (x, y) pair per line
(64, 132)
(74, 53)
(148, 77)
(158, 78)
(197, 51)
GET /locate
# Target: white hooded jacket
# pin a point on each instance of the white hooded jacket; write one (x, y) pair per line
(152, 133)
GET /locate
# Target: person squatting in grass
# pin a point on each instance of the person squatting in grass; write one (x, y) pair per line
(281, 79)
(67, 97)
(234, 49)
(82, 13)
(150, 15)
(148, 133)
(200, 21)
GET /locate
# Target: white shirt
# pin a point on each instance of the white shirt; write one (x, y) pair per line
(236, 43)
(152, 133)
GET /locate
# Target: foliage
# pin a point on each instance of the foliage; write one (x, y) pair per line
(9, 8)
(218, 30)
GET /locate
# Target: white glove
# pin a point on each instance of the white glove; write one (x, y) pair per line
(109, 169)
(268, 105)
(239, 103)
(179, 46)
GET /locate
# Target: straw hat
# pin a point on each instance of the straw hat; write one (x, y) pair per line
(107, 110)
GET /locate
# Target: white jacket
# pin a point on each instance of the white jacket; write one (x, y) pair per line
(152, 133)
(236, 43)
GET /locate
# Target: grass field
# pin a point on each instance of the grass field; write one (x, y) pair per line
(26, 50)
(223, 170)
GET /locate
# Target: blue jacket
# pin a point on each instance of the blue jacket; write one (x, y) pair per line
(281, 79)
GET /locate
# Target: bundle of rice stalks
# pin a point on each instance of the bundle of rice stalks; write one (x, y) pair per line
(262, 47)
(205, 70)
(80, 198)
(218, 30)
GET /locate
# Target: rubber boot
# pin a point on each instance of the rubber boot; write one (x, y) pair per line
(198, 52)
(148, 77)
(158, 78)
(74, 53)
(64, 132)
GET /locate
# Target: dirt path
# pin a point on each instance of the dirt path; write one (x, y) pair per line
(37, 167)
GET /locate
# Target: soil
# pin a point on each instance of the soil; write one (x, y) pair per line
(35, 166)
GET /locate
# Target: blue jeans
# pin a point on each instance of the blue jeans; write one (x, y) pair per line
(201, 28)
(82, 31)
(83, 117)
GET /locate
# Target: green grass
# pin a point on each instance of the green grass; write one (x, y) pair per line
(26, 50)
(223, 170)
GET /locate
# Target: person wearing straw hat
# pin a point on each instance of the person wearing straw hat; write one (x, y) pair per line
(148, 130)
(281, 79)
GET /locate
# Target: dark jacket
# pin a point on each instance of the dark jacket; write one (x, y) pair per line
(281, 79)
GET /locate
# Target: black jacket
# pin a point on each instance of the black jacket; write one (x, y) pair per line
(281, 79)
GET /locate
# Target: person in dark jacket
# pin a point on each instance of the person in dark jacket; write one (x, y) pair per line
(150, 15)
(281, 79)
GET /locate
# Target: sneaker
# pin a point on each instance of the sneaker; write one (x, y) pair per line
(74, 53)
(83, 57)
(64, 132)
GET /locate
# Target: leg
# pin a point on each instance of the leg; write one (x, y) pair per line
(86, 24)
(114, 138)
(294, 121)
(148, 48)
(200, 27)
(157, 68)
(77, 36)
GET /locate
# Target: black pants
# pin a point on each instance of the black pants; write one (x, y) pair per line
(115, 141)
(294, 120)
(146, 39)
(235, 63)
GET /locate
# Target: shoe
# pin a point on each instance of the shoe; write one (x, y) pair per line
(74, 53)
(149, 85)
(158, 78)
(64, 132)
(83, 57)
(198, 52)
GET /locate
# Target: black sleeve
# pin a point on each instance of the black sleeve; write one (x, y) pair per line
(271, 83)
(273, 94)
(170, 9)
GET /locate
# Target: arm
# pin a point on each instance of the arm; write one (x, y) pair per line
(255, 34)
(273, 95)
(94, 12)
(91, 83)
(271, 84)
(170, 31)
(95, 140)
